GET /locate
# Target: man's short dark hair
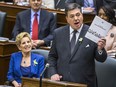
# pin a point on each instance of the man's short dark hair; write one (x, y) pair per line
(71, 6)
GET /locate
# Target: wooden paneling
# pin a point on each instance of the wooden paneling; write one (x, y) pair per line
(5, 51)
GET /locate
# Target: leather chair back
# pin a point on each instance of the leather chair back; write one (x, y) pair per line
(45, 54)
(2, 22)
(106, 73)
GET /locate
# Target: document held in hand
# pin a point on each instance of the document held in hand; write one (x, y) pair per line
(98, 29)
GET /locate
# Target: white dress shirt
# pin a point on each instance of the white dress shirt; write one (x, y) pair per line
(77, 34)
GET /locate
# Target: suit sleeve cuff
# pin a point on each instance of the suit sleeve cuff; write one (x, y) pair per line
(100, 52)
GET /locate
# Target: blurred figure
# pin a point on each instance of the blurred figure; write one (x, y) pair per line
(48, 4)
(21, 2)
(39, 23)
(112, 3)
(108, 14)
(24, 63)
(91, 5)
(59, 4)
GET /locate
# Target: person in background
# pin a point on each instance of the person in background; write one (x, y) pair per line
(39, 23)
(59, 4)
(72, 55)
(24, 63)
(48, 4)
(6, 0)
(91, 5)
(112, 3)
(108, 14)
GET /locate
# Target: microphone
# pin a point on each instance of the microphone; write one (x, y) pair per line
(46, 66)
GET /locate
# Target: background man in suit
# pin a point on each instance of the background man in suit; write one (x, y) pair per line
(59, 4)
(77, 65)
(46, 23)
(112, 3)
(92, 4)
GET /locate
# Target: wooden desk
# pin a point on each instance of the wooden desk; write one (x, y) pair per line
(30, 82)
(12, 11)
(5, 51)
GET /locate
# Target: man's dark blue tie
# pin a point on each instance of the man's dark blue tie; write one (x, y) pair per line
(73, 40)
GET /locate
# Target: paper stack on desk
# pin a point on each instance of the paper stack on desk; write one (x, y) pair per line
(98, 29)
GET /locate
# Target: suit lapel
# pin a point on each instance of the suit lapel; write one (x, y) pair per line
(82, 2)
(28, 20)
(67, 40)
(42, 19)
(33, 69)
(82, 35)
(95, 2)
(18, 63)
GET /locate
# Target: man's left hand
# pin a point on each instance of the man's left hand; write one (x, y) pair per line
(101, 44)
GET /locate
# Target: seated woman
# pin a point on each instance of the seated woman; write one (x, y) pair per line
(24, 63)
(108, 14)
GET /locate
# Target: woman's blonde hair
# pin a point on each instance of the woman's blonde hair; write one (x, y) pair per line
(20, 36)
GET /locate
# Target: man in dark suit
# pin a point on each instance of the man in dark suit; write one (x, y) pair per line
(59, 4)
(96, 3)
(112, 3)
(78, 64)
(46, 20)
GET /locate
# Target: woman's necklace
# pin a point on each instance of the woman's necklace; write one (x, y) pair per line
(25, 59)
(24, 62)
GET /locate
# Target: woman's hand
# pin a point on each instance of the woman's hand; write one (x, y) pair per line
(16, 84)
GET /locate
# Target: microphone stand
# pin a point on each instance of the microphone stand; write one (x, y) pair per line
(46, 66)
(40, 81)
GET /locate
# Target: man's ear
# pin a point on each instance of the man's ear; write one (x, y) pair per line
(67, 19)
